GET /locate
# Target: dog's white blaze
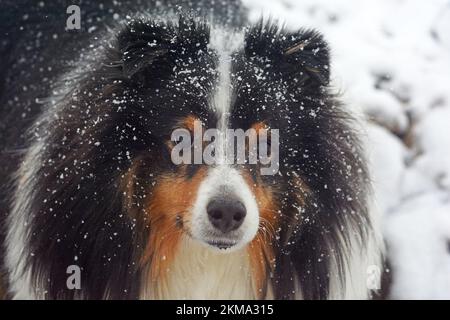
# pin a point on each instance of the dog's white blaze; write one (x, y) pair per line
(224, 43)
(198, 270)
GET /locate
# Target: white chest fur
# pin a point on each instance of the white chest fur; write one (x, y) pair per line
(198, 272)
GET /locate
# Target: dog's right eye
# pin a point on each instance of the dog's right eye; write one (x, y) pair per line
(181, 136)
(177, 140)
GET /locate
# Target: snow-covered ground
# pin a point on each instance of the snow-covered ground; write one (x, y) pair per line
(391, 61)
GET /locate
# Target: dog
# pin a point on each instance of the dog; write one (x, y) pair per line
(89, 180)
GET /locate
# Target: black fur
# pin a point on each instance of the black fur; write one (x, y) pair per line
(36, 51)
(124, 109)
(316, 144)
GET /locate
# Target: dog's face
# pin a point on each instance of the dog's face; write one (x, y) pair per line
(186, 75)
(108, 158)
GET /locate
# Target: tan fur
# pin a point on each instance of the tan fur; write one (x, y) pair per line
(169, 217)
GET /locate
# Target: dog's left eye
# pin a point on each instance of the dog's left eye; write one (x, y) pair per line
(184, 136)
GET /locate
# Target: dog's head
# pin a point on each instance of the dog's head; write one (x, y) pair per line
(131, 139)
(188, 77)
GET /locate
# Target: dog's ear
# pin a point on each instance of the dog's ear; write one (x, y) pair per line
(302, 55)
(144, 45)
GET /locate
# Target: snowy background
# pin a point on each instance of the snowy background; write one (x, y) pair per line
(391, 61)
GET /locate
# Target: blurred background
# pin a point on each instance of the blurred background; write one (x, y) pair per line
(391, 62)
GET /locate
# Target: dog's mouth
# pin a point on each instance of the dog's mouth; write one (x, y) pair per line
(221, 244)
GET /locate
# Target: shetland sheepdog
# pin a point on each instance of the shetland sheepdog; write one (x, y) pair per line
(87, 169)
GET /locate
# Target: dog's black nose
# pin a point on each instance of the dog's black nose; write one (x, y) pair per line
(226, 214)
